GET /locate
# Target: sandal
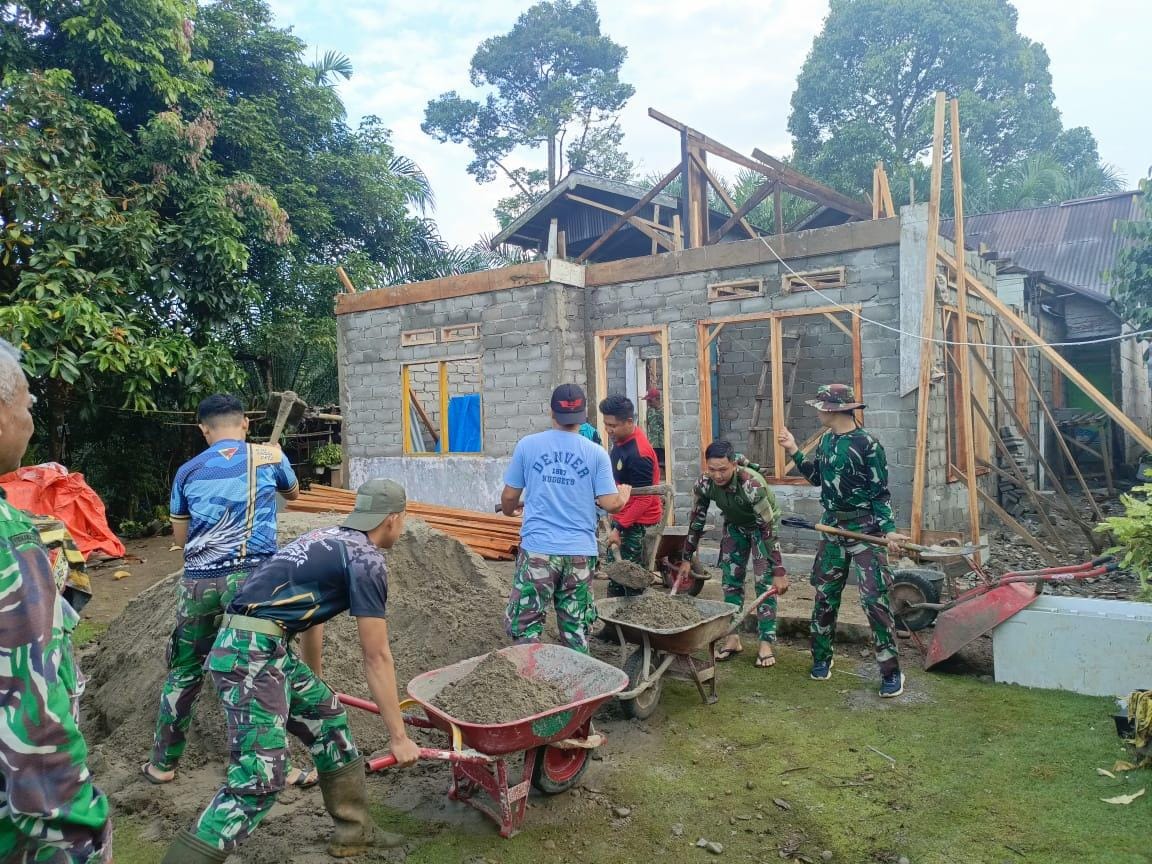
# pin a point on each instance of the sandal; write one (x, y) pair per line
(723, 654)
(765, 661)
(152, 778)
(302, 779)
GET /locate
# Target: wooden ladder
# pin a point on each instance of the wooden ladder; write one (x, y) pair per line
(760, 449)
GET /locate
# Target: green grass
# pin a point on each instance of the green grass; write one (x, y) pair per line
(88, 631)
(983, 773)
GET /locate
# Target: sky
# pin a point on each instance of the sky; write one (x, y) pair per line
(725, 67)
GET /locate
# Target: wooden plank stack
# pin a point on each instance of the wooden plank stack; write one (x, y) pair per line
(491, 536)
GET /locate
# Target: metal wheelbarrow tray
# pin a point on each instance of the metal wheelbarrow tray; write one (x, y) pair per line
(667, 651)
(555, 744)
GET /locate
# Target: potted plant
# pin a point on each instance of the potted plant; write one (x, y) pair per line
(330, 457)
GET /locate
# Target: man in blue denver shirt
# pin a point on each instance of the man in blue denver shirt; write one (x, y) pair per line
(224, 515)
(563, 477)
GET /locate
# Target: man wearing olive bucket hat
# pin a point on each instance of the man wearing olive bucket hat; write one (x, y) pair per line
(849, 466)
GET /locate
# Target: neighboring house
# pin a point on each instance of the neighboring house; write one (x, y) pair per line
(1053, 262)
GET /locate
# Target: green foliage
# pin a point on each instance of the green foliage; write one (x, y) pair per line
(328, 456)
(1133, 535)
(1131, 275)
(551, 82)
(866, 92)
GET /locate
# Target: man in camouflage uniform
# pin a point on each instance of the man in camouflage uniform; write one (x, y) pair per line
(654, 424)
(751, 520)
(224, 515)
(50, 812)
(849, 466)
(267, 691)
(562, 477)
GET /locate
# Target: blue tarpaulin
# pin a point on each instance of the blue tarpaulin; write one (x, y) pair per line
(464, 424)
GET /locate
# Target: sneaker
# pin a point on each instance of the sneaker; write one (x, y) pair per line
(892, 685)
(821, 670)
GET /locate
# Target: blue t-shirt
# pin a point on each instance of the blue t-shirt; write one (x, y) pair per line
(562, 474)
(227, 495)
(315, 578)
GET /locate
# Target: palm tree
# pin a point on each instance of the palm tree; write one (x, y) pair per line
(326, 68)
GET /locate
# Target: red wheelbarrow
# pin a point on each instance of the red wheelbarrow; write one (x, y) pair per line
(555, 744)
(971, 614)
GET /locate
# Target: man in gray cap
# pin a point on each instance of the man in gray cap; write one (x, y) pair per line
(267, 690)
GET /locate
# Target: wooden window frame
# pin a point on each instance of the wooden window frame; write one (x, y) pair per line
(826, 278)
(708, 330)
(955, 456)
(460, 333)
(604, 343)
(414, 338)
(735, 289)
(406, 406)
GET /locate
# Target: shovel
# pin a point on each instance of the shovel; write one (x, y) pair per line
(637, 581)
(925, 552)
(972, 614)
(288, 408)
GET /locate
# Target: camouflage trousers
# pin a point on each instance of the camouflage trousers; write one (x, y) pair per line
(267, 692)
(736, 546)
(631, 549)
(829, 575)
(198, 615)
(50, 812)
(542, 580)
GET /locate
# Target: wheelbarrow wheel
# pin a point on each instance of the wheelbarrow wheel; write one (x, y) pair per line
(910, 587)
(557, 770)
(642, 706)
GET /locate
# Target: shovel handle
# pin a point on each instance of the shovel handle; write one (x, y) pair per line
(433, 754)
(751, 607)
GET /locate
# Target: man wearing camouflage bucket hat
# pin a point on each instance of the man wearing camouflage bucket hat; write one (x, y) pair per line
(849, 466)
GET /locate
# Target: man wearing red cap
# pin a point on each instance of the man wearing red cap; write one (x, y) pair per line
(633, 463)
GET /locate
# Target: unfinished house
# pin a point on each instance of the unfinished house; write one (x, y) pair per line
(737, 327)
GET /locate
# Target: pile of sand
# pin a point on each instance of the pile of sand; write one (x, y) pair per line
(656, 611)
(444, 606)
(496, 692)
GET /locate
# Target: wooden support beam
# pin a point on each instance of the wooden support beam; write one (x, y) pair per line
(762, 191)
(1011, 319)
(928, 327)
(723, 193)
(778, 209)
(644, 201)
(843, 327)
(1046, 412)
(697, 209)
(803, 448)
(777, 346)
(677, 233)
(812, 189)
(644, 226)
(876, 191)
(704, 384)
(345, 281)
(1069, 507)
(965, 365)
(713, 333)
(1015, 475)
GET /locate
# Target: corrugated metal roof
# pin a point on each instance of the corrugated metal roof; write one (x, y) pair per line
(1073, 243)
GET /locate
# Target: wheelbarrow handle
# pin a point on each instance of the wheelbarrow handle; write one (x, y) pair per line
(1094, 564)
(750, 608)
(369, 706)
(1073, 576)
(467, 757)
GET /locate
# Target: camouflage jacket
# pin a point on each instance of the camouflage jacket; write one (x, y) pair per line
(747, 501)
(852, 473)
(655, 430)
(49, 809)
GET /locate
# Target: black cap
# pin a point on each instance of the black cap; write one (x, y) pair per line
(569, 405)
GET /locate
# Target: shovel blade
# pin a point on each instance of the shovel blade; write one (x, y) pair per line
(963, 624)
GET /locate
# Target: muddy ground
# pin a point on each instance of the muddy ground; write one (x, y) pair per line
(448, 605)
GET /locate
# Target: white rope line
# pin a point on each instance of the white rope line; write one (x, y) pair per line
(923, 338)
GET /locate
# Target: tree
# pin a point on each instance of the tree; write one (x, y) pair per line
(551, 82)
(866, 93)
(1131, 275)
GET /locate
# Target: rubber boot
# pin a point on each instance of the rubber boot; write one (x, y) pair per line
(187, 848)
(345, 793)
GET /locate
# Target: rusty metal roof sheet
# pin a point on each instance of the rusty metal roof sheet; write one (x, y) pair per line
(1073, 243)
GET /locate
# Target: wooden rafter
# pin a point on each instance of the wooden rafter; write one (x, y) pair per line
(723, 193)
(761, 192)
(806, 187)
(621, 221)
